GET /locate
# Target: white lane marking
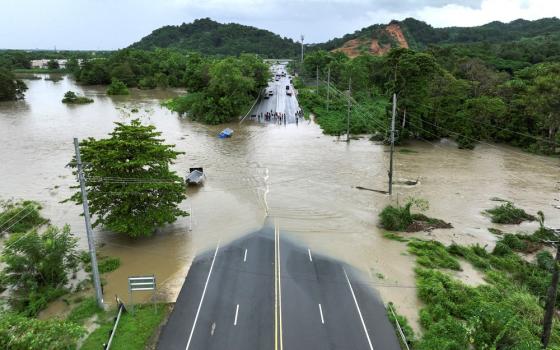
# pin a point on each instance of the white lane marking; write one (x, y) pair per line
(245, 255)
(358, 307)
(236, 312)
(202, 297)
(321, 312)
(309, 251)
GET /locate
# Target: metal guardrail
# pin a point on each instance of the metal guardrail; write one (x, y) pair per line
(401, 333)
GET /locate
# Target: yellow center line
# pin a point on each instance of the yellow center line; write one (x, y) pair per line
(280, 292)
(275, 293)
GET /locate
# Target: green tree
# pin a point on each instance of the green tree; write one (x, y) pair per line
(117, 87)
(53, 64)
(10, 87)
(476, 115)
(131, 188)
(37, 266)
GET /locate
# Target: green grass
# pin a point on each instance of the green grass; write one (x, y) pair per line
(133, 331)
(394, 237)
(507, 213)
(108, 264)
(432, 254)
(84, 310)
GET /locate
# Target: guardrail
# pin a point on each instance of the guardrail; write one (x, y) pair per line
(401, 333)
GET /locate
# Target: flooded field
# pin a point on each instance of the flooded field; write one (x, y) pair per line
(294, 173)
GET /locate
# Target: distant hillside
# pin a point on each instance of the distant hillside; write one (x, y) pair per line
(411, 33)
(213, 38)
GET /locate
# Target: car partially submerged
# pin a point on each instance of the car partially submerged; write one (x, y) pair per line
(195, 176)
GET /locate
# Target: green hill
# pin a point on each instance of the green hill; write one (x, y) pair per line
(415, 34)
(212, 38)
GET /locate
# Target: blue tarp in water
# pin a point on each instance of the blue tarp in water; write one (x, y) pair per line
(225, 133)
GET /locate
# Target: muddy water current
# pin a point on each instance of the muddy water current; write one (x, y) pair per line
(294, 173)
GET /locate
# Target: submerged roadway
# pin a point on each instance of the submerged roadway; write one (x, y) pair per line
(265, 292)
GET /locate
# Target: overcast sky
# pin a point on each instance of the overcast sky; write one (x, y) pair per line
(112, 24)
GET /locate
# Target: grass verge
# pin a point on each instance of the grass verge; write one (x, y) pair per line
(133, 332)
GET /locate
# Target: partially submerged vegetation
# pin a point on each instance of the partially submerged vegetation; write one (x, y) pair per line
(134, 331)
(117, 87)
(72, 98)
(401, 218)
(504, 313)
(220, 90)
(507, 213)
(19, 216)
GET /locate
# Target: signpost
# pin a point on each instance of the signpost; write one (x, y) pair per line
(141, 283)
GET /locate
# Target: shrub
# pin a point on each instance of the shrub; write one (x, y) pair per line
(398, 218)
(117, 87)
(109, 264)
(37, 265)
(19, 332)
(20, 216)
(72, 98)
(507, 213)
(432, 254)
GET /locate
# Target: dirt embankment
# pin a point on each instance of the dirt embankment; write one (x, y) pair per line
(352, 47)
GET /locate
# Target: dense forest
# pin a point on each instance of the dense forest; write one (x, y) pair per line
(220, 89)
(441, 92)
(212, 38)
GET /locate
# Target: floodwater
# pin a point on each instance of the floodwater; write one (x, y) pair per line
(305, 179)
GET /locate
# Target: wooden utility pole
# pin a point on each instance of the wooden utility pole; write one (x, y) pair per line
(328, 86)
(392, 144)
(349, 106)
(551, 297)
(89, 231)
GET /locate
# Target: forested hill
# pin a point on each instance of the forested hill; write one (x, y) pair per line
(411, 33)
(209, 37)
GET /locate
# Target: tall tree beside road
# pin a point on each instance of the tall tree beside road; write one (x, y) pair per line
(131, 189)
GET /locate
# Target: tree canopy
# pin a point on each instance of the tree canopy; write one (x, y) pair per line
(10, 87)
(131, 188)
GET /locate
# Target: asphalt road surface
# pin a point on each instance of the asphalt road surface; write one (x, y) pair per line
(265, 292)
(279, 102)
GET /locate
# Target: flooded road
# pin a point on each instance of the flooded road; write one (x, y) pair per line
(296, 174)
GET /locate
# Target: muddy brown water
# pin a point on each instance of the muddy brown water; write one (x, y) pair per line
(294, 173)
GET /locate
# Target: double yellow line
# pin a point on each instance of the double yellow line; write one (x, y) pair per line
(278, 344)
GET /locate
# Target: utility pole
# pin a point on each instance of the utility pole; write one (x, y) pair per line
(551, 296)
(302, 49)
(392, 144)
(317, 78)
(349, 106)
(89, 231)
(328, 86)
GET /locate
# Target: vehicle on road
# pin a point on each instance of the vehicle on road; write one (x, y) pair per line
(195, 176)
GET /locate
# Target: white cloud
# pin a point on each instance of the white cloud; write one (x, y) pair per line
(490, 10)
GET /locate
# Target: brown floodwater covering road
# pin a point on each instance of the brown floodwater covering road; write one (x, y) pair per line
(295, 173)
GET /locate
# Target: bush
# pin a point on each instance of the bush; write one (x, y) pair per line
(432, 254)
(117, 87)
(396, 218)
(72, 98)
(18, 332)
(37, 266)
(507, 213)
(20, 216)
(109, 264)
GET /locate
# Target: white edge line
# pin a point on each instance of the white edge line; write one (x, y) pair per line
(245, 255)
(309, 251)
(358, 307)
(236, 312)
(202, 297)
(321, 312)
